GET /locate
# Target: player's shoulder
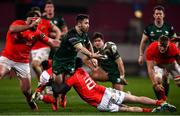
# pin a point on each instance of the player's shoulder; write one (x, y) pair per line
(111, 46)
(166, 24)
(149, 26)
(19, 22)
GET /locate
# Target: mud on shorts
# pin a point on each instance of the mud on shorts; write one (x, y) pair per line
(111, 100)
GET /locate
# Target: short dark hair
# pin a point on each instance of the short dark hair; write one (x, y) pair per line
(159, 7)
(163, 40)
(49, 2)
(32, 14)
(97, 35)
(81, 17)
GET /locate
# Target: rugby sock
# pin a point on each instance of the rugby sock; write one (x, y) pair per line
(147, 109)
(48, 99)
(166, 88)
(159, 102)
(156, 93)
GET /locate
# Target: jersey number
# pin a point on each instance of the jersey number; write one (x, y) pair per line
(90, 84)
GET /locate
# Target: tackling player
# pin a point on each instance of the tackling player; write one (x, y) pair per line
(106, 99)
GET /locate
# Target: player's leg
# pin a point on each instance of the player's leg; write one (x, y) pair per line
(158, 76)
(134, 109)
(165, 82)
(118, 86)
(5, 66)
(174, 70)
(23, 72)
(38, 56)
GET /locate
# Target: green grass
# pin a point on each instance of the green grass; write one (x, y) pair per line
(13, 102)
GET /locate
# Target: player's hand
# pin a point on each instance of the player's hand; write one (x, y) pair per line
(54, 43)
(141, 60)
(34, 22)
(159, 87)
(123, 80)
(97, 55)
(94, 62)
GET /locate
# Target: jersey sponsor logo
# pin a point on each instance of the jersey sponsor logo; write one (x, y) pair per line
(166, 32)
(55, 22)
(158, 30)
(152, 33)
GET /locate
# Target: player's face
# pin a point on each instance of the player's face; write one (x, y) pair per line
(49, 8)
(84, 25)
(163, 48)
(158, 15)
(98, 43)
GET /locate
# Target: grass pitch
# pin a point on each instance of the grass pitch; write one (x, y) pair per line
(12, 102)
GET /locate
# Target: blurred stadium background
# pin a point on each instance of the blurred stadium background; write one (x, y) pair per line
(121, 21)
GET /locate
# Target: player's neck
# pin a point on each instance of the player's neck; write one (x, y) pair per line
(78, 30)
(159, 24)
(50, 16)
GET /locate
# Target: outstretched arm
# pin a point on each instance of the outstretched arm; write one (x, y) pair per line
(142, 48)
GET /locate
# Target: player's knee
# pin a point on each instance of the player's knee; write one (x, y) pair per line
(35, 63)
(177, 81)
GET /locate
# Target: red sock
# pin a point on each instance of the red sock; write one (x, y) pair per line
(48, 99)
(163, 96)
(159, 102)
(40, 88)
(147, 109)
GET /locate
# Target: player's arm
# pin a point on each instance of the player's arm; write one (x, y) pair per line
(120, 64)
(47, 40)
(142, 48)
(64, 29)
(57, 31)
(14, 28)
(151, 72)
(86, 52)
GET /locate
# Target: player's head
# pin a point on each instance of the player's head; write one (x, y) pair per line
(163, 43)
(32, 16)
(82, 21)
(159, 13)
(46, 64)
(37, 10)
(79, 63)
(49, 7)
(98, 40)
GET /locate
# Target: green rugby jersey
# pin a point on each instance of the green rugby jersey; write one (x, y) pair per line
(153, 32)
(111, 54)
(66, 54)
(58, 21)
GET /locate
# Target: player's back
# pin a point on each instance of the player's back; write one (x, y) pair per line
(87, 89)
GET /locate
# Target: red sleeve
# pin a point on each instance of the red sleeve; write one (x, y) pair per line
(40, 35)
(18, 22)
(175, 50)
